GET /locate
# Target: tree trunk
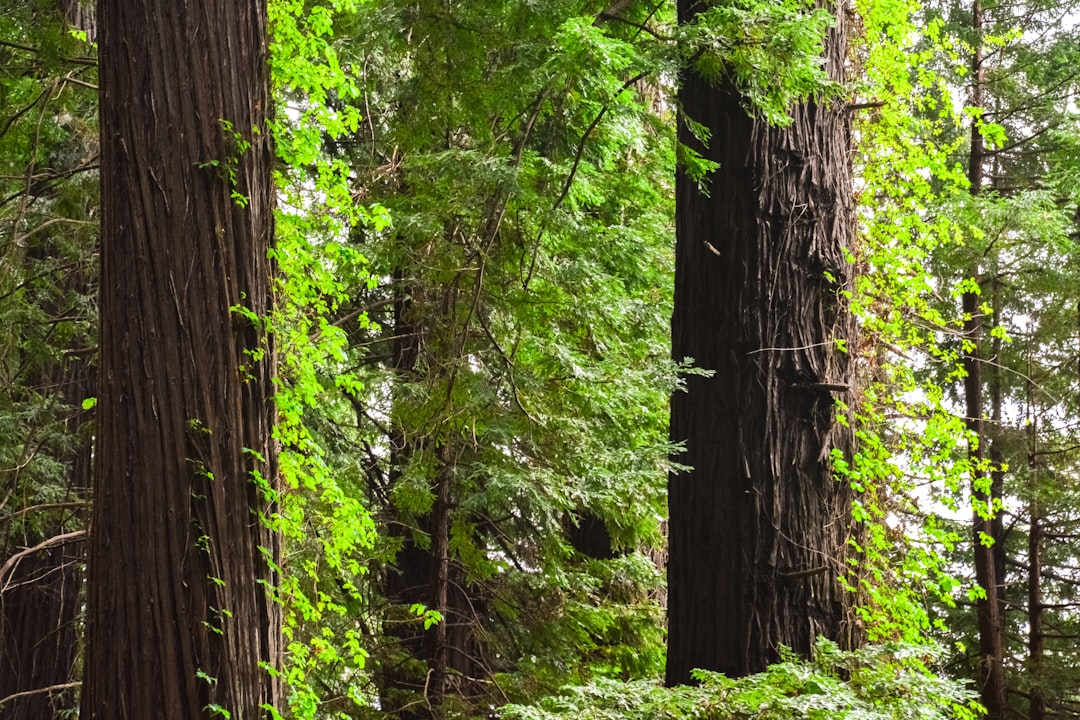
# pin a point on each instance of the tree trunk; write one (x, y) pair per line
(997, 455)
(758, 526)
(1036, 644)
(180, 618)
(990, 675)
(442, 661)
(80, 16)
(1035, 607)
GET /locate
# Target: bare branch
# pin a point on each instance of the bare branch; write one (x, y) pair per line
(51, 688)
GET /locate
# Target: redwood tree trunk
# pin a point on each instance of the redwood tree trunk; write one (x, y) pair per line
(179, 616)
(758, 526)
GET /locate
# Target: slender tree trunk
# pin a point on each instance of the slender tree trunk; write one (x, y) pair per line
(180, 622)
(1036, 636)
(448, 652)
(991, 680)
(758, 526)
(445, 650)
(440, 557)
(997, 456)
(406, 582)
(1037, 703)
(990, 675)
(997, 463)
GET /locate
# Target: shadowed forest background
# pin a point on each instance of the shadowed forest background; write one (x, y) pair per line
(539, 360)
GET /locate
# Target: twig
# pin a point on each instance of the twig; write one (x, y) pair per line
(852, 107)
(12, 562)
(585, 137)
(48, 506)
(51, 688)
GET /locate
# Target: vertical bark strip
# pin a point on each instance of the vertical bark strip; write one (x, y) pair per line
(179, 616)
(80, 16)
(758, 527)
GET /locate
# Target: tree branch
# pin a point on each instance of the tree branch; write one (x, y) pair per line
(12, 562)
(50, 688)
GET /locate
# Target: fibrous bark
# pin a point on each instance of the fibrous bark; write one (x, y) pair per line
(180, 619)
(758, 526)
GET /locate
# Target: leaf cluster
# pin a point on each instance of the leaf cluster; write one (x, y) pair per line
(885, 682)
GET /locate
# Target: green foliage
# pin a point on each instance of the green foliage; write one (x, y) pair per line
(327, 529)
(48, 238)
(885, 682)
(507, 335)
(770, 51)
(520, 153)
(525, 154)
(1022, 246)
(926, 240)
(911, 450)
(47, 244)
